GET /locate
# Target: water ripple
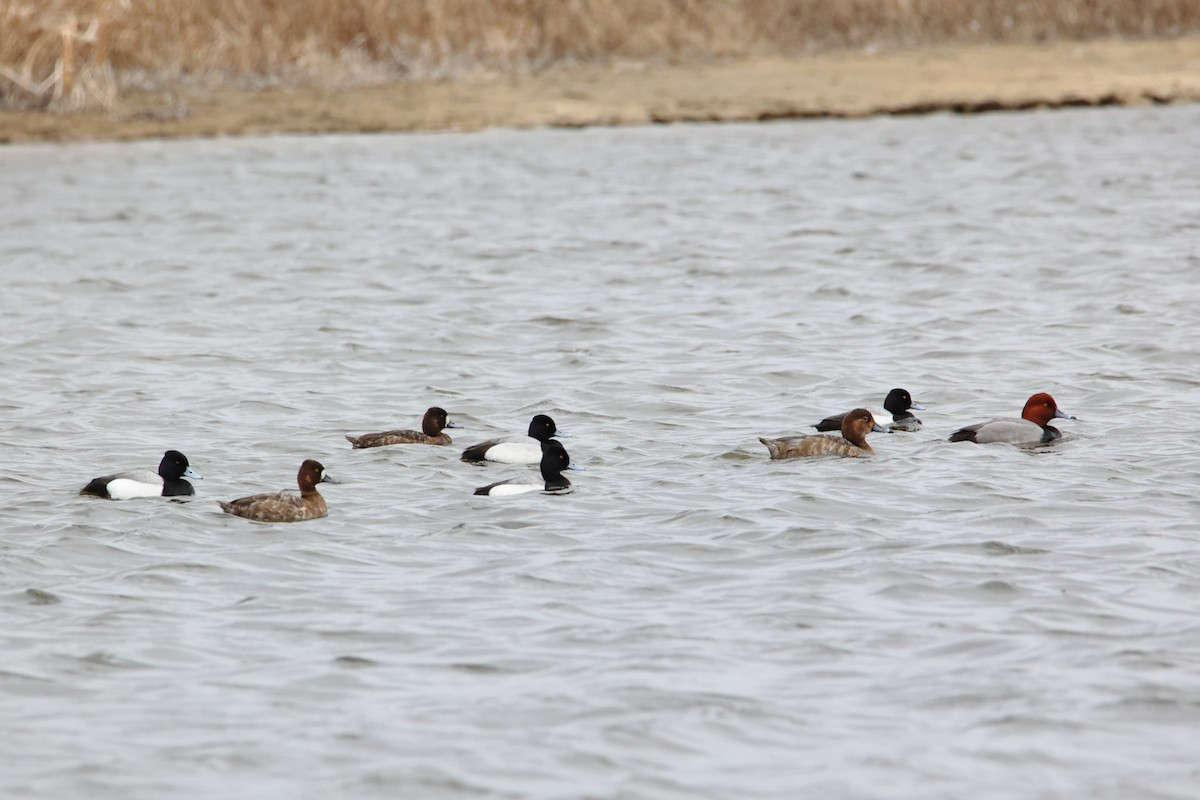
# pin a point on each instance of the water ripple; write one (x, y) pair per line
(694, 620)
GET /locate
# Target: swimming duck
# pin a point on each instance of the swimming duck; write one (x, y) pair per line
(1032, 428)
(554, 461)
(167, 482)
(285, 506)
(431, 432)
(856, 425)
(896, 405)
(506, 451)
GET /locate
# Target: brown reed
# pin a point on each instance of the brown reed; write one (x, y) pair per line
(77, 53)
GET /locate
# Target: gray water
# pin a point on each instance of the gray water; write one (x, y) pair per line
(695, 620)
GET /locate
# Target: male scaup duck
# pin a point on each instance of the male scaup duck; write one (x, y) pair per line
(285, 506)
(896, 405)
(431, 433)
(506, 451)
(554, 461)
(856, 425)
(167, 482)
(1032, 428)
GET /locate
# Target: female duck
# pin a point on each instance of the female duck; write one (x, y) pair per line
(431, 432)
(853, 441)
(167, 482)
(896, 405)
(505, 451)
(1032, 428)
(285, 506)
(554, 461)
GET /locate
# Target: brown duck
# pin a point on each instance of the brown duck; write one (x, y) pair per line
(431, 432)
(853, 441)
(285, 506)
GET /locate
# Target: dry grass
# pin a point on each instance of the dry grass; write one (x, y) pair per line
(76, 53)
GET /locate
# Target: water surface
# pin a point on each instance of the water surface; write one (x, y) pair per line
(694, 621)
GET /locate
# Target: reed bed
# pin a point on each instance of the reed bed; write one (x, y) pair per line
(78, 53)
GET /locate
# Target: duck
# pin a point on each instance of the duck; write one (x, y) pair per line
(167, 482)
(285, 506)
(431, 433)
(507, 451)
(554, 460)
(856, 425)
(1032, 428)
(896, 405)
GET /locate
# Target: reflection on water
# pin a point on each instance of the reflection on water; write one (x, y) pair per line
(694, 620)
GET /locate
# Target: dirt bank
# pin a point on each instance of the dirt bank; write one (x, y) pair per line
(831, 85)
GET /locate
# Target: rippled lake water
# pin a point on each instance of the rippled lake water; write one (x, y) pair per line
(695, 620)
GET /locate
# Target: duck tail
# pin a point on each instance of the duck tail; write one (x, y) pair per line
(772, 445)
(474, 453)
(98, 487)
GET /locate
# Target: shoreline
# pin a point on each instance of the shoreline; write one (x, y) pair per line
(965, 79)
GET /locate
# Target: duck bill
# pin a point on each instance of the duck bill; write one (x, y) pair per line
(577, 467)
(877, 428)
(191, 473)
(1060, 414)
(327, 478)
(562, 435)
(453, 425)
(917, 407)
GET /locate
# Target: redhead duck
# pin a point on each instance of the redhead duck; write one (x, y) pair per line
(896, 405)
(856, 425)
(505, 451)
(167, 482)
(1031, 428)
(431, 433)
(554, 460)
(285, 506)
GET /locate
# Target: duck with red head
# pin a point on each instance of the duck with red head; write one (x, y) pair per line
(431, 432)
(285, 506)
(852, 443)
(1032, 428)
